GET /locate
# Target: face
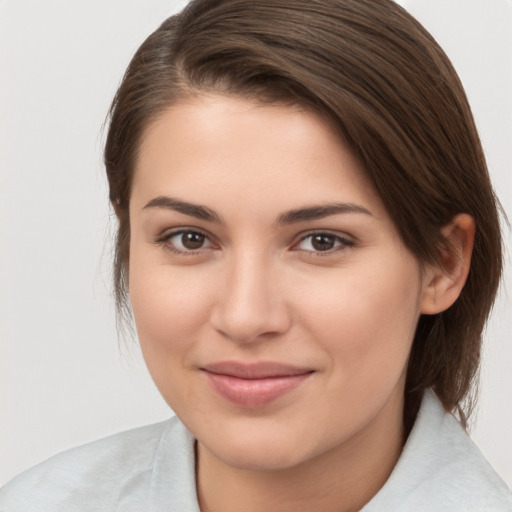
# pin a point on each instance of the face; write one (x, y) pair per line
(274, 300)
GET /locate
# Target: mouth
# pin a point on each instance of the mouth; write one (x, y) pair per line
(254, 385)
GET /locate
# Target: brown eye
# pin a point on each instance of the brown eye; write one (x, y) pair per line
(192, 240)
(185, 241)
(323, 242)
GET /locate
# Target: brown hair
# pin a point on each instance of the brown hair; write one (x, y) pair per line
(392, 93)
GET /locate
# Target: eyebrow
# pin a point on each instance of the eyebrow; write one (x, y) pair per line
(320, 212)
(309, 213)
(193, 210)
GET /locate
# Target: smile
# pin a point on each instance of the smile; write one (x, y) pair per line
(254, 385)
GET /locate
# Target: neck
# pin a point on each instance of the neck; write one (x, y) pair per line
(343, 479)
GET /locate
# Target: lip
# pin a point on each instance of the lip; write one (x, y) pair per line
(256, 384)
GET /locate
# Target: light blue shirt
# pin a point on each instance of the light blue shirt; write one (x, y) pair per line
(151, 469)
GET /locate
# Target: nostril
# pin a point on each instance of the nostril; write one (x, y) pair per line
(249, 324)
(248, 306)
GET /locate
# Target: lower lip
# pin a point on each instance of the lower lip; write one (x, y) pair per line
(254, 392)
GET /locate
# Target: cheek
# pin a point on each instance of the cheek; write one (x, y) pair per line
(365, 320)
(170, 306)
(170, 310)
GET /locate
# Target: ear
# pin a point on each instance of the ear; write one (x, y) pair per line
(444, 282)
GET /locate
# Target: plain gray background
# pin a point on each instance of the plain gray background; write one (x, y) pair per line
(64, 380)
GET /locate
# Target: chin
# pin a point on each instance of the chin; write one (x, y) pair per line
(258, 449)
(258, 458)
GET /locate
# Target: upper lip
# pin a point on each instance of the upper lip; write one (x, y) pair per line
(261, 370)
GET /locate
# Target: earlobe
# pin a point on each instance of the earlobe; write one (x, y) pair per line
(444, 282)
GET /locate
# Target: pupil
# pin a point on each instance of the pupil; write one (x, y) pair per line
(323, 242)
(193, 240)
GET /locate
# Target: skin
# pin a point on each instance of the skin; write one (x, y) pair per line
(257, 288)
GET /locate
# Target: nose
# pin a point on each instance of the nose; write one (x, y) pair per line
(250, 305)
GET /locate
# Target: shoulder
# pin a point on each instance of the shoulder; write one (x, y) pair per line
(441, 469)
(96, 476)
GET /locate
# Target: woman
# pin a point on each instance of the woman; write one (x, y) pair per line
(310, 244)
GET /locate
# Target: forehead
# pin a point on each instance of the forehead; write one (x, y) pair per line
(217, 147)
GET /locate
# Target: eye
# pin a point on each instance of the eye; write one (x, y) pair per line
(185, 241)
(323, 243)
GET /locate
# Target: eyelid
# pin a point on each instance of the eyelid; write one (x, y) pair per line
(345, 240)
(166, 235)
(342, 240)
(170, 232)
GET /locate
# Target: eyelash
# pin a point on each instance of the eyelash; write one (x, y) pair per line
(343, 243)
(164, 241)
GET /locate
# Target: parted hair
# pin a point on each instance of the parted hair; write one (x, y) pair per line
(376, 75)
